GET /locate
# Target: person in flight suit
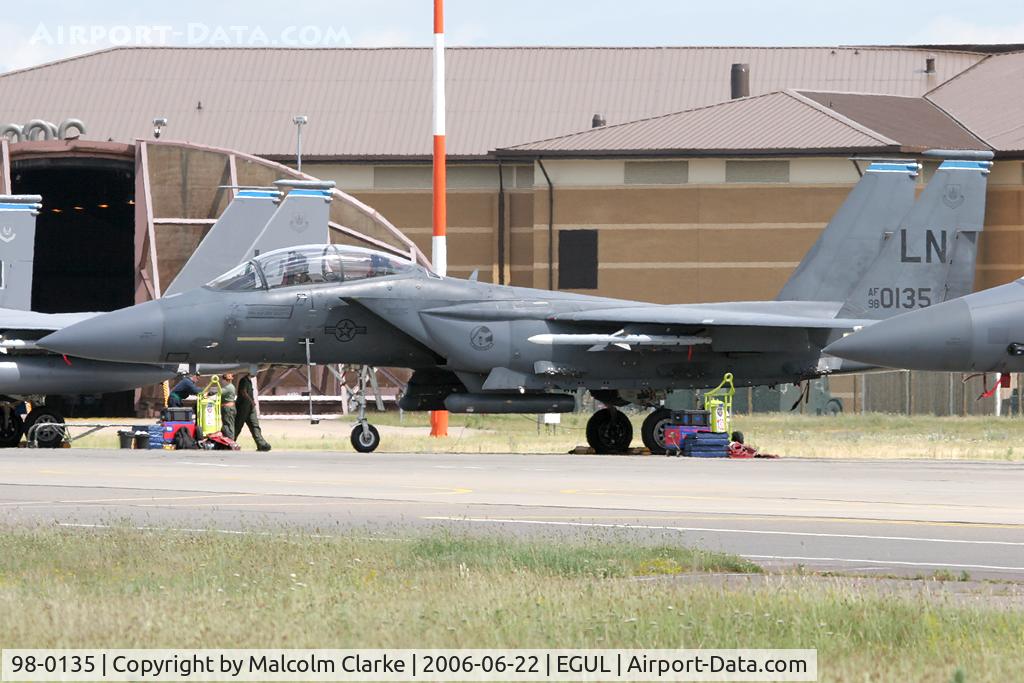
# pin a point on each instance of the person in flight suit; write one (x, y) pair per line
(247, 414)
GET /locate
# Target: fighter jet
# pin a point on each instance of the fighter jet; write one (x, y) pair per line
(484, 348)
(256, 219)
(981, 332)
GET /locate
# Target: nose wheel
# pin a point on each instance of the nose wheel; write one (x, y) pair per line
(365, 437)
(609, 431)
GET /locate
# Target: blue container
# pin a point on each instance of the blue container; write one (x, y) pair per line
(156, 436)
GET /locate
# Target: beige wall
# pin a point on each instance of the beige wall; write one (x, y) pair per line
(706, 240)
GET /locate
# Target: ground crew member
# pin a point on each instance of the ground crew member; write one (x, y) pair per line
(183, 389)
(228, 396)
(247, 414)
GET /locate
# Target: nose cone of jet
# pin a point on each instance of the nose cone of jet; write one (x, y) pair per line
(934, 338)
(133, 334)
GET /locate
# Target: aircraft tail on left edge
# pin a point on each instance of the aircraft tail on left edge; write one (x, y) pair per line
(17, 248)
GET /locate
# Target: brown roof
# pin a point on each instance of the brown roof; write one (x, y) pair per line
(989, 99)
(765, 124)
(375, 103)
(913, 121)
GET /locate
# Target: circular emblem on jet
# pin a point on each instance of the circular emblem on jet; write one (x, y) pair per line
(953, 196)
(481, 338)
(346, 330)
(299, 222)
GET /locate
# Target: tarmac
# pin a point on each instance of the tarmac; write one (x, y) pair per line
(896, 517)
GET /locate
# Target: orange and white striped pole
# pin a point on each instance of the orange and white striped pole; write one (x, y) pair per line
(439, 243)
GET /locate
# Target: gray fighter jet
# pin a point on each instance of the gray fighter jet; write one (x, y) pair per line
(256, 219)
(981, 332)
(483, 348)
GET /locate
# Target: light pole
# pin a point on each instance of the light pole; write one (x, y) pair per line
(299, 122)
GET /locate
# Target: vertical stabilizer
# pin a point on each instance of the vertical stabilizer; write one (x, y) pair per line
(301, 218)
(225, 245)
(851, 240)
(931, 256)
(17, 247)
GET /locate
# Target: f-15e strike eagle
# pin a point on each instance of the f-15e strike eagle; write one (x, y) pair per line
(256, 219)
(484, 348)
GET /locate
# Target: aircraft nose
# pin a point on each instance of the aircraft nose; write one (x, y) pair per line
(935, 338)
(133, 334)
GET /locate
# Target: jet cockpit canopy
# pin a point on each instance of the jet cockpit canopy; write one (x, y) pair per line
(310, 265)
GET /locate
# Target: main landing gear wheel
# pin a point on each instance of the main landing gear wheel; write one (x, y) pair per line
(46, 437)
(653, 430)
(365, 440)
(11, 427)
(609, 431)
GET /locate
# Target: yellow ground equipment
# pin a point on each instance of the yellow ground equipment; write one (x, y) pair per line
(718, 402)
(208, 404)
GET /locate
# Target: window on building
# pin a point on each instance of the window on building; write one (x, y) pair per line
(577, 259)
(524, 176)
(403, 177)
(471, 177)
(756, 171)
(657, 172)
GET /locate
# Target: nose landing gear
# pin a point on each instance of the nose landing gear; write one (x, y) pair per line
(365, 438)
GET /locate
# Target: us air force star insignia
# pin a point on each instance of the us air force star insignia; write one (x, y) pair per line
(345, 330)
(7, 234)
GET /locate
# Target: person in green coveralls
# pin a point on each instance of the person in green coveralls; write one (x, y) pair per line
(247, 414)
(228, 411)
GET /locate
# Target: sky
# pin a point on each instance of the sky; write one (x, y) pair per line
(47, 30)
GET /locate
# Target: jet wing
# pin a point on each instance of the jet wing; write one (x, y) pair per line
(781, 314)
(30, 321)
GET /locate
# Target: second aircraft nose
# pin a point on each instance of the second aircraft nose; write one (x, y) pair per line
(133, 334)
(939, 337)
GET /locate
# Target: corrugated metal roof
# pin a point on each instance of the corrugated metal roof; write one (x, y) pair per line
(912, 121)
(776, 122)
(376, 102)
(989, 99)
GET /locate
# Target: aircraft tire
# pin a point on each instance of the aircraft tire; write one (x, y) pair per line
(609, 431)
(12, 427)
(47, 437)
(365, 442)
(652, 431)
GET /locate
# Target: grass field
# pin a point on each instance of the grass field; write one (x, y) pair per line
(126, 588)
(790, 435)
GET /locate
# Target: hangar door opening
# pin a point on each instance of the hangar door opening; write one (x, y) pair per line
(85, 233)
(85, 245)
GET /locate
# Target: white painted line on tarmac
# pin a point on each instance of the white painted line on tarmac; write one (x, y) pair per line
(697, 529)
(943, 565)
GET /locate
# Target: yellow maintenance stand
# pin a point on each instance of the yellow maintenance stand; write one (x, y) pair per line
(718, 402)
(208, 405)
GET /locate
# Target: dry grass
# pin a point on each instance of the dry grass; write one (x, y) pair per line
(126, 588)
(792, 435)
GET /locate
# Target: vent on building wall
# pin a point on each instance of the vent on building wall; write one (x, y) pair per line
(929, 65)
(597, 121)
